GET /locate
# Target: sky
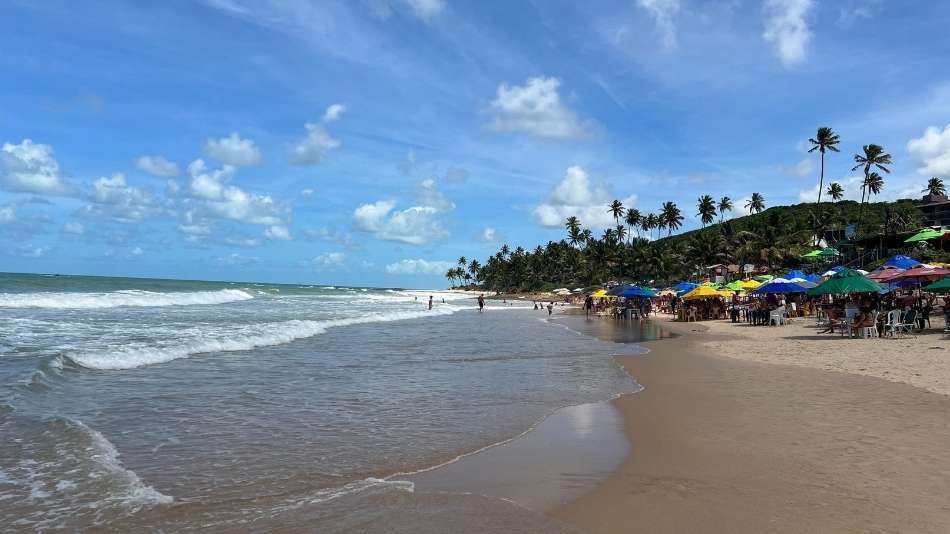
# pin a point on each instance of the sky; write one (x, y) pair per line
(374, 142)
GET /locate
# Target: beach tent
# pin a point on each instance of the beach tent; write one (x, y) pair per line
(702, 292)
(943, 286)
(926, 234)
(599, 293)
(845, 282)
(902, 262)
(635, 291)
(782, 287)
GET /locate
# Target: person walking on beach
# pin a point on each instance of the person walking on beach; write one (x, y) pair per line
(588, 304)
(430, 302)
(481, 302)
(550, 308)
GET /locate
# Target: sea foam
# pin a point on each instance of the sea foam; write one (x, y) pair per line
(117, 299)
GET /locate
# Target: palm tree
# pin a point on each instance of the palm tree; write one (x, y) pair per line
(621, 232)
(649, 223)
(825, 139)
(475, 268)
(573, 225)
(755, 204)
(672, 217)
(707, 209)
(616, 209)
(935, 187)
(725, 204)
(835, 191)
(633, 219)
(875, 184)
(873, 157)
(463, 262)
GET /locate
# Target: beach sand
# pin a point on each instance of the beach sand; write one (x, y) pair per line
(727, 445)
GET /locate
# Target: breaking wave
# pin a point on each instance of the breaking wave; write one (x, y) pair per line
(117, 299)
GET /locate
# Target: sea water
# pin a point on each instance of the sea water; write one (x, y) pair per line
(182, 405)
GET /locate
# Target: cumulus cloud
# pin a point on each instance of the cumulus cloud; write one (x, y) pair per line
(233, 150)
(231, 202)
(576, 195)
(426, 9)
(786, 28)
(327, 233)
(7, 214)
(74, 228)
(156, 166)
(535, 108)
(415, 225)
(663, 13)
(29, 167)
(318, 144)
(114, 197)
(277, 233)
(328, 260)
(489, 235)
(419, 266)
(932, 151)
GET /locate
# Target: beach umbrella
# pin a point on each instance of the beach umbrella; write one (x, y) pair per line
(794, 274)
(845, 282)
(599, 293)
(902, 262)
(735, 286)
(684, 286)
(813, 255)
(805, 283)
(701, 292)
(942, 286)
(667, 293)
(750, 284)
(763, 277)
(813, 278)
(780, 287)
(828, 252)
(924, 235)
(922, 273)
(616, 290)
(635, 291)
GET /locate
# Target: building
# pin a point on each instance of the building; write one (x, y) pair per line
(936, 210)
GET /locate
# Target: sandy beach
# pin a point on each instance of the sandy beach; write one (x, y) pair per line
(731, 444)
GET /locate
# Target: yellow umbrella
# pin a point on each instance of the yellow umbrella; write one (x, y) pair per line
(666, 293)
(750, 284)
(702, 292)
(599, 293)
(728, 293)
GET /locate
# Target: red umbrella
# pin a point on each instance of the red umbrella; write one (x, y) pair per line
(885, 273)
(922, 273)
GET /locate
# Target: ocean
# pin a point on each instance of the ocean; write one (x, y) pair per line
(172, 405)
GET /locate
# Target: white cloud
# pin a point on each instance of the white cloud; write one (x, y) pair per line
(233, 150)
(419, 266)
(231, 202)
(29, 167)
(74, 228)
(195, 230)
(328, 260)
(156, 166)
(856, 11)
(307, 193)
(7, 214)
(535, 108)
(803, 168)
(238, 241)
(426, 9)
(786, 27)
(333, 112)
(137, 251)
(32, 251)
(313, 148)
(663, 13)
(277, 233)
(415, 225)
(575, 195)
(489, 235)
(932, 151)
(237, 259)
(327, 233)
(850, 184)
(113, 197)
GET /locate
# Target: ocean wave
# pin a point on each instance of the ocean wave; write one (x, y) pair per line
(250, 337)
(116, 299)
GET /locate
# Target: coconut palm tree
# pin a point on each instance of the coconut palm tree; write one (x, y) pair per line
(633, 219)
(672, 217)
(573, 225)
(725, 204)
(825, 139)
(935, 187)
(755, 204)
(835, 191)
(707, 209)
(616, 209)
(875, 184)
(648, 223)
(873, 157)
(463, 262)
(621, 232)
(475, 268)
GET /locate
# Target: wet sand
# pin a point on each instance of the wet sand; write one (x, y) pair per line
(723, 445)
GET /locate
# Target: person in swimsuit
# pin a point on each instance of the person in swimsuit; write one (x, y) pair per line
(481, 302)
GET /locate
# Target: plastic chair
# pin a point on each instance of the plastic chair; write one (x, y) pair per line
(908, 323)
(892, 322)
(868, 332)
(777, 316)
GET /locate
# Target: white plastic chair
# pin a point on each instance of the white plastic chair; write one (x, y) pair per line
(892, 322)
(777, 316)
(868, 332)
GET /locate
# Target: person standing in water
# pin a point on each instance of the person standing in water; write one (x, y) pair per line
(430, 302)
(550, 308)
(481, 302)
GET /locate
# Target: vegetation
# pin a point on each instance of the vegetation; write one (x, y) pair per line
(775, 237)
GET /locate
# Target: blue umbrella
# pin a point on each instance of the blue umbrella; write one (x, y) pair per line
(814, 278)
(794, 274)
(837, 268)
(780, 287)
(683, 287)
(902, 262)
(634, 291)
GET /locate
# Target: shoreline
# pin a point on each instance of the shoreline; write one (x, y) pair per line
(720, 444)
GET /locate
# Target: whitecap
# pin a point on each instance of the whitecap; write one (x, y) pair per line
(117, 299)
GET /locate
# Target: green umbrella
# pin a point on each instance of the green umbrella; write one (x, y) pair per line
(828, 251)
(763, 277)
(813, 254)
(735, 286)
(940, 286)
(847, 281)
(924, 235)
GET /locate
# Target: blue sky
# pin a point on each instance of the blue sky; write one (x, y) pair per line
(373, 142)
